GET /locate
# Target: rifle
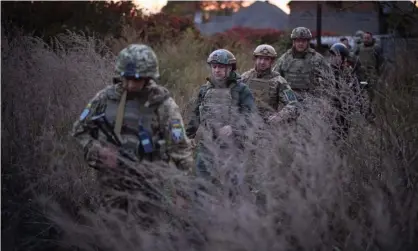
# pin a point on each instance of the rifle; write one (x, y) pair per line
(104, 125)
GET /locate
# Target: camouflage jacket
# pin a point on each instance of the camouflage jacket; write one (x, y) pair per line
(241, 94)
(371, 56)
(315, 68)
(279, 94)
(166, 124)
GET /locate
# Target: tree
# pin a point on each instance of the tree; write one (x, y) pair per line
(183, 8)
(48, 18)
(224, 8)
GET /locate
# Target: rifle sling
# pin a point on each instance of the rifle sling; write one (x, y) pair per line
(120, 114)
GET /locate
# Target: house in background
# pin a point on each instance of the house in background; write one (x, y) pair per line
(339, 17)
(259, 15)
(347, 17)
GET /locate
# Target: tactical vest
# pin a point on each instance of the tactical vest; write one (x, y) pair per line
(218, 108)
(141, 134)
(298, 73)
(368, 59)
(263, 90)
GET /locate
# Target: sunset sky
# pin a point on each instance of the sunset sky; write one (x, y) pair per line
(156, 5)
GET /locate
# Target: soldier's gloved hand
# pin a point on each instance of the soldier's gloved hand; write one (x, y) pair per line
(225, 131)
(108, 156)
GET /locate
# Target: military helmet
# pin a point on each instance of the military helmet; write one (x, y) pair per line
(339, 49)
(265, 50)
(137, 61)
(222, 56)
(301, 33)
(359, 33)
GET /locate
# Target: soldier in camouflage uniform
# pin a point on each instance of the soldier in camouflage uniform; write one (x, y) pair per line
(358, 39)
(301, 66)
(271, 91)
(132, 120)
(220, 104)
(371, 58)
(349, 84)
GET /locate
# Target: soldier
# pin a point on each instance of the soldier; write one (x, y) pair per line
(344, 41)
(370, 55)
(348, 85)
(271, 91)
(131, 121)
(302, 66)
(371, 58)
(219, 101)
(342, 61)
(358, 39)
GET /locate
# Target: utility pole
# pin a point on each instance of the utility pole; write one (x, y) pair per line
(318, 24)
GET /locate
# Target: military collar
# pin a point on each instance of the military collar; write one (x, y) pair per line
(231, 81)
(263, 73)
(152, 93)
(301, 54)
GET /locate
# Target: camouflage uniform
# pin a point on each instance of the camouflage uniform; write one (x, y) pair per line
(348, 86)
(371, 58)
(152, 127)
(358, 38)
(270, 90)
(302, 70)
(218, 106)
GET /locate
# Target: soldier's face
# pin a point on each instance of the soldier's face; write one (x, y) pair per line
(263, 63)
(367, 38)
(336, 59)
(345, 42)
(300, 45)
(220, 71)
(134, 85)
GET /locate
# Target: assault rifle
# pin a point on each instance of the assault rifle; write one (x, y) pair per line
(149, 190)
(104, 125)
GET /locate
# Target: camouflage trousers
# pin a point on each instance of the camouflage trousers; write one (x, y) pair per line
(128, 195)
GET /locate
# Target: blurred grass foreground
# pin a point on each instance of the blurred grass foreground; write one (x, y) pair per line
(356, 194)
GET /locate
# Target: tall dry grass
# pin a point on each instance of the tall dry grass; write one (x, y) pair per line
(306, 190)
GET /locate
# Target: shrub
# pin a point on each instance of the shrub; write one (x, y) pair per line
(353, 194)
(156, 29)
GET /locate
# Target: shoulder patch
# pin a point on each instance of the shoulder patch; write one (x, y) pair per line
(290, 96)
(85, 112)
(177, 130)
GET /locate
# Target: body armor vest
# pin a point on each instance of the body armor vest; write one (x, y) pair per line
(366, 55)
(139, 134)
(217, 108)
(298, 73)
(264, 93)
(368, 59)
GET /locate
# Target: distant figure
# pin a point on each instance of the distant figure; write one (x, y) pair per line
(371, 58)
(358, 39)
(370, 55)
(344, 41)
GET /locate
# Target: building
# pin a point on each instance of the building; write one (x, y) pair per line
(339, 17)
(346, 17)
(259, 15)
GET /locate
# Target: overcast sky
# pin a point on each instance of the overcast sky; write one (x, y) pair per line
(156, 5)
